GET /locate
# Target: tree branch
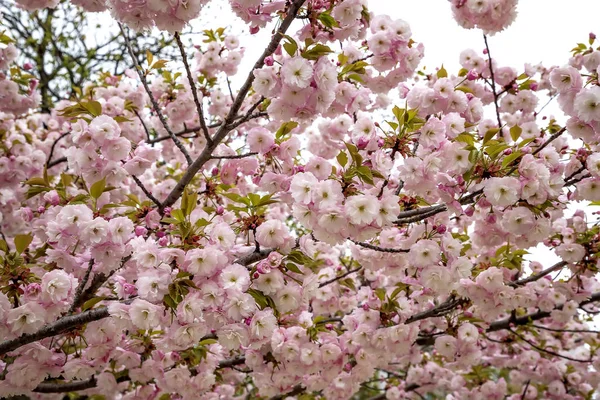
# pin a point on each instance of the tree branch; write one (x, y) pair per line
(155, 105)
(225, 128)
(193, 89)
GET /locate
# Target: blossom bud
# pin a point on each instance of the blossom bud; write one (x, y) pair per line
(163, 241)
(160, 234)
(140, 231)
(469, 211)
(362, 143)
(52, 197)
(533, 86)
(27, 66)
(441, 229)
(472, 75)
(220, 210)
(490, 218)
(41, 209)
(256, 275)
(215, 171)
(26, 214)
(592, 36)
(507, 152)
(269, 61)
(254, 30)
(167, 211)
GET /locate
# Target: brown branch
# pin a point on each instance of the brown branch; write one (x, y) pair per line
(59, 387)
(234, 157)
(377, 248)
(49, 162)
(80, 287)
(155, 105)
(225, 128)
(337, 278)
(147, 192)
(550, 140)
(193, 88)
(540, 275)
(52, 329)
(493, 83)
(253, 257)
(56, 162)
(544, 350)
(437, 311)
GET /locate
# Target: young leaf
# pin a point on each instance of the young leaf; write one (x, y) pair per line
(97, 188)
(22, 242)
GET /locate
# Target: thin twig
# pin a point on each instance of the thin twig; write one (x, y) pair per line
(194, 90)
(552, 353)
(493, 84)
(147, 192)
(234, 157)
(226, 127)
(155, 105)
(377, 248)
(80, 287)
(49, 163)
(540, 275)
(337, 278)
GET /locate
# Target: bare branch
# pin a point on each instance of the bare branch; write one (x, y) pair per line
(193, 88)
(493, 83)
(234, 157)
(49, 163)
(81, 286)
(377, 248)
(337, 278)
(59, 387)
(59, 326)
(540, 275)
(155, 105)
(147, 192)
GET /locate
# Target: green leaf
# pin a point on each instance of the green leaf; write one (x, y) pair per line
(365, 174)
(97, 188)
(316, 52)
(515, 132)
(178, 215)
(290, 46)
(284, 129)
(22, 242)
(342, 158)
(511, 157)
(91, 303)
(327, 20)
(3, 246)
(442, 73)
(37, 181)
(159, 64)
(293, 267)
(149, 57)
(490, 134)
(93, 107)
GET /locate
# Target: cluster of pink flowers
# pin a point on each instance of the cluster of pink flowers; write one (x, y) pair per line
(491, 16)
(328, 237)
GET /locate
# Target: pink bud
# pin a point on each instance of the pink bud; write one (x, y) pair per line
(215, 171)
(41, 209)
(507, 152)
(472, 75)
(163, 241)
(533, 86)
(469, 211)
(160, 234)
(441, 229)
(27, 66)
(592, 36)
(490, 218)
(26, 214)
(254, 30)
(140, 231)
(220, 210)
(348, 367)
(269, 61)
(256, 275)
